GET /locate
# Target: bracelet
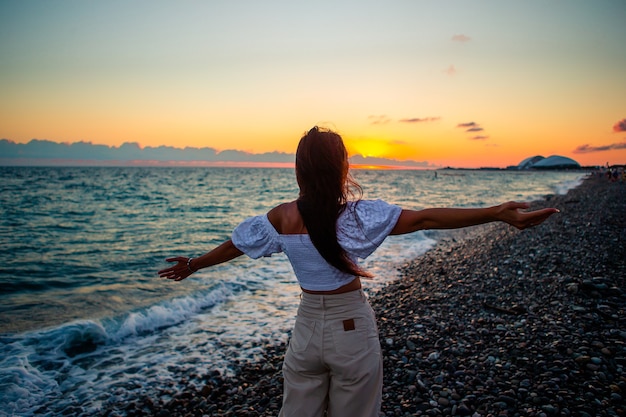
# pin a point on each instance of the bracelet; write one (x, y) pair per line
(189, 265)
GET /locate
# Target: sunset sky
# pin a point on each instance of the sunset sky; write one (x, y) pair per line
(449, 83)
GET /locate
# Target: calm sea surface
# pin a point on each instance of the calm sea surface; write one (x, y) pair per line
(85, 321)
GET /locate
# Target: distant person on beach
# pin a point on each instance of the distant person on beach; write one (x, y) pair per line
(333, 362)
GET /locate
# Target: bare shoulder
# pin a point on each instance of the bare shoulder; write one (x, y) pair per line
(282, 210)
(286, 218)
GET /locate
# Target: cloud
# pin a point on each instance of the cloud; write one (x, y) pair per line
(451, 70)
(586, 148)
(379, 120)
(45, 152)
(620, 126)
(389, 162)
(472, 127)
(45, 149)
(461, 38)
(420, 119)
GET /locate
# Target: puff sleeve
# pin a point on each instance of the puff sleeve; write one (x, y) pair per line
(256, 237)
(365, 224)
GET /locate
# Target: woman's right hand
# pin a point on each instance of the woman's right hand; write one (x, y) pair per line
(511, 213)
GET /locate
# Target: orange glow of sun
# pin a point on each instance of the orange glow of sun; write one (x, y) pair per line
(368, 147)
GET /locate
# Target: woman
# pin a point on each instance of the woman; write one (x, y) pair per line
(333, 362)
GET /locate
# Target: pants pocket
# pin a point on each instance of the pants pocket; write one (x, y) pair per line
(355, 338)
(302, 333)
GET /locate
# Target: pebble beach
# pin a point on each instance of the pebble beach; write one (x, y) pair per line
(491, 322)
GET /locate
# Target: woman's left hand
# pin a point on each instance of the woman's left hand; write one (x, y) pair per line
(177, 272)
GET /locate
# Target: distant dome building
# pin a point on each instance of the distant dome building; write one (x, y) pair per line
(556, 162)
(529, 162)
(551, 162)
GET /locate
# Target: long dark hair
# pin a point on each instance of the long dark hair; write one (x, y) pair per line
(323, 174)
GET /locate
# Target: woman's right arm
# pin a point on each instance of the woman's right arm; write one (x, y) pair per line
(455, 218)
(186, 266)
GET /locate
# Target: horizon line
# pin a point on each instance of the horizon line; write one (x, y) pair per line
(56, 162)
(93, 163)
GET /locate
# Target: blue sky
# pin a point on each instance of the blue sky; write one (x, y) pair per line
(398, 79)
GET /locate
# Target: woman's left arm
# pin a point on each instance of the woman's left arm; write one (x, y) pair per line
(455, 218)
(186, 266)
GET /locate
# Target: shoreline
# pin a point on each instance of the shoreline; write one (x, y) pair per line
(491, 321)
(508, 322)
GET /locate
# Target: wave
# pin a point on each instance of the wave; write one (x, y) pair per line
(175, 311)
(43, 369)
(561, 188)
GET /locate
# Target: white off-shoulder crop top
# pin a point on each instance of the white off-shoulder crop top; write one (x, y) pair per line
(361, 228)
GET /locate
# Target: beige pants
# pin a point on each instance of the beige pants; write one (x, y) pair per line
(333, 362)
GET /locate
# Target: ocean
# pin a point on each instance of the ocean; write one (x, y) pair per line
(86, 323)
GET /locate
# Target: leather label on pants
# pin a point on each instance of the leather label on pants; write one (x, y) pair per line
(348, 325)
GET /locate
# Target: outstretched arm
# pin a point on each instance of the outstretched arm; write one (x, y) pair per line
(186, 266)
(455, 218)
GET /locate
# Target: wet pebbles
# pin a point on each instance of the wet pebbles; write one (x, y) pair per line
(492, 322)
(510, 323)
